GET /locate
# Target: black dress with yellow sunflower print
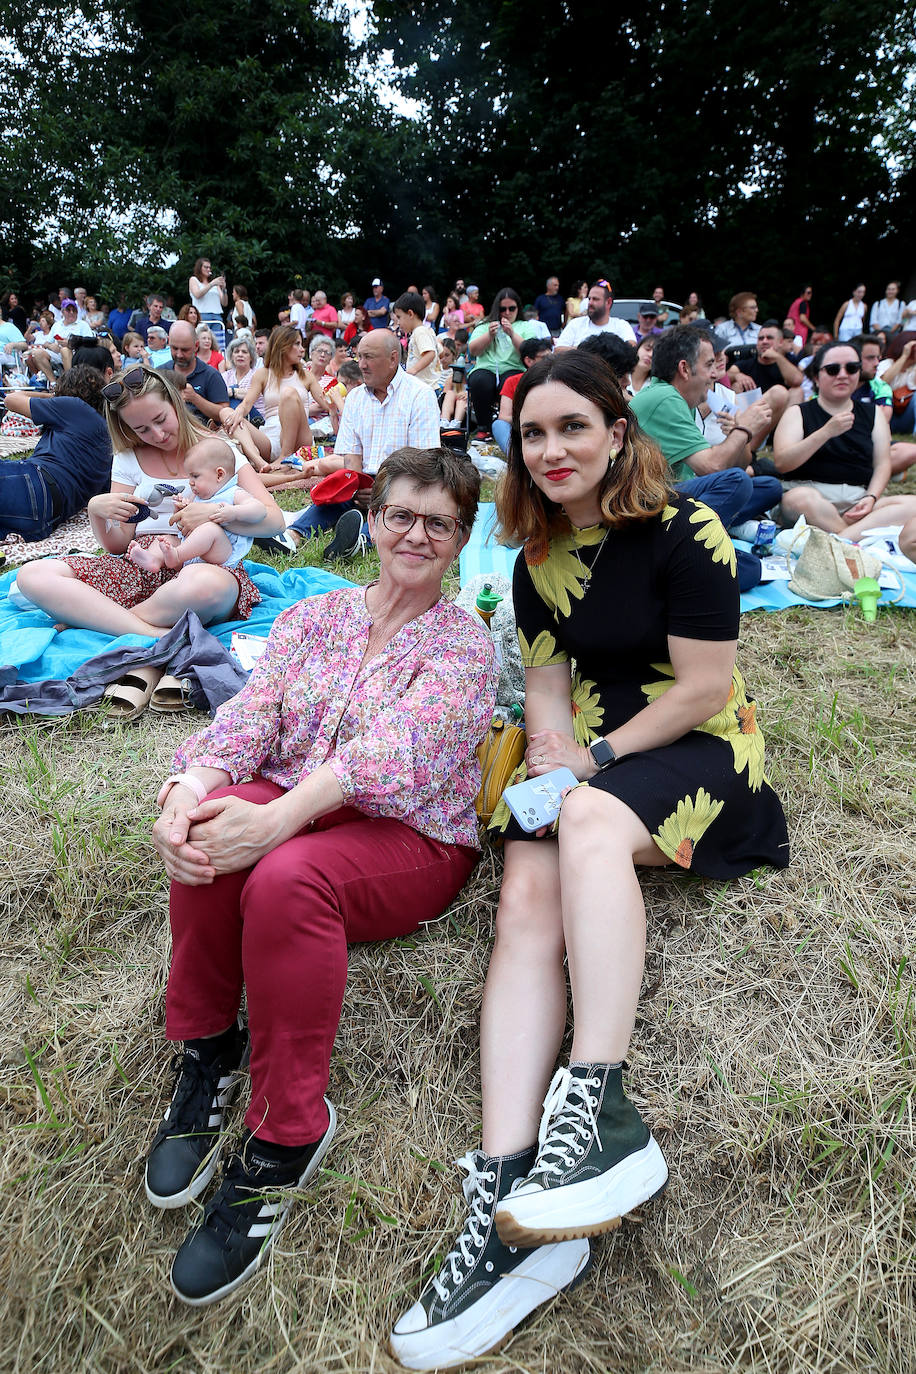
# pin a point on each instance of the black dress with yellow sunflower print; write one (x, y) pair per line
(704, 799)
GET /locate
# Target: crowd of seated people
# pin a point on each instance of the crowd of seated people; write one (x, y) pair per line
(473, 361)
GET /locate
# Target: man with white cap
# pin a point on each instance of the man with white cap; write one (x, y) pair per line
(377, 306)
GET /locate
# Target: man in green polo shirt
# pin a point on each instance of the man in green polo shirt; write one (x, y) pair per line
(683, 370)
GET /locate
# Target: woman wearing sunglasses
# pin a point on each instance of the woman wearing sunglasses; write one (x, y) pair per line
(832, 452)
(357, 729)
(494, 347)
(150, 431)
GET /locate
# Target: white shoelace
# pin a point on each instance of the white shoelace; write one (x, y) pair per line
(460, 1258)
(567, 1127)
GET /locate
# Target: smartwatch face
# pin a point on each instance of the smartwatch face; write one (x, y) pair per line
(602, 753)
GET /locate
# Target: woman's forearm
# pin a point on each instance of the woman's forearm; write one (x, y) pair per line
(671, 716)
(315, 796)
(209, 778)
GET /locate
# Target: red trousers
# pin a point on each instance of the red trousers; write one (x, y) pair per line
(282, 928)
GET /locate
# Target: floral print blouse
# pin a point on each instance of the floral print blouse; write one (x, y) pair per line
(399, 732)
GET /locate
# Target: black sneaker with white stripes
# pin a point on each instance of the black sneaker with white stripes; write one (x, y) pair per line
(186, 1148)
(243, 1217)
(348, 537)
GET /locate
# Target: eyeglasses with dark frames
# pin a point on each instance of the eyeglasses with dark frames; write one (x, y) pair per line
(834, 369)
(400, 520)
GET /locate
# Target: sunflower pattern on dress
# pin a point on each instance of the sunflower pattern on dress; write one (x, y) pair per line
(678, 834)
(736, 722)
(703, 798)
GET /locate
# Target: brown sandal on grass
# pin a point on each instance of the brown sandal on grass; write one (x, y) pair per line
(127, 699)
(172, 695)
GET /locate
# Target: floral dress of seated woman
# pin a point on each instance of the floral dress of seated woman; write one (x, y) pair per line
(606, 601)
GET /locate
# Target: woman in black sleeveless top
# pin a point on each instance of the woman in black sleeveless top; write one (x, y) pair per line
(832, 453)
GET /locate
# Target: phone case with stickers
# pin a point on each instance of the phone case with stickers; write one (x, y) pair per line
(536, 801)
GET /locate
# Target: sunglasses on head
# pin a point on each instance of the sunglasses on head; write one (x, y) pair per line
(131, 382)
(834, 369)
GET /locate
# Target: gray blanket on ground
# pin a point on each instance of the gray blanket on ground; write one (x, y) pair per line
(187, 651)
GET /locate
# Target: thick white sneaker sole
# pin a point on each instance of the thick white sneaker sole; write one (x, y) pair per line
(492, 1319)
(537, 1216)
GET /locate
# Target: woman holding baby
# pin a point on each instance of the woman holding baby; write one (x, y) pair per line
(151, 434)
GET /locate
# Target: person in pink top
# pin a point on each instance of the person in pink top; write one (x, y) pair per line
(331, 800)
(324, 316)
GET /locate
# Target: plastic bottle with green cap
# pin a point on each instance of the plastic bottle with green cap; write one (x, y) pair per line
(486, 603)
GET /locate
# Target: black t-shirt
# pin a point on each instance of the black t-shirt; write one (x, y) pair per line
(848, 459)
(74, 448)
(677, 574)
(763, 375)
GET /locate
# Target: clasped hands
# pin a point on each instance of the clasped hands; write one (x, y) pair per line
(198, 841)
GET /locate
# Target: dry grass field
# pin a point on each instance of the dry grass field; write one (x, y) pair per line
(774, 1057)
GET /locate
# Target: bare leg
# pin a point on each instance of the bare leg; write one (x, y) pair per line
(208, 591)
(294, 424)
(604, 919)
(524, 1001)
(40, 361)
(448, 405)
(52, 586)
(816, 509)
(903, 456)
(254, 444)
(208, 542)
(907, 540)
(887, 510)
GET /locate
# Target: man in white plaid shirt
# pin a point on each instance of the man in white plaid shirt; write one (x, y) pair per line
(389, 411)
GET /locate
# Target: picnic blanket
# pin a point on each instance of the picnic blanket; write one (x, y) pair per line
(30, 644)
(482, 556)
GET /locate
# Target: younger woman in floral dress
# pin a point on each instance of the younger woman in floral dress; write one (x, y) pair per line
(636, 587)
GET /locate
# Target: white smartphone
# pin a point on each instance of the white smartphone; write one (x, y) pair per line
(536, 801)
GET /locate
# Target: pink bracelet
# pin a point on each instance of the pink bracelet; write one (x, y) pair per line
(193, 785)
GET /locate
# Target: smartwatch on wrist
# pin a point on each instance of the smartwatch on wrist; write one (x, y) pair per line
(602, 754)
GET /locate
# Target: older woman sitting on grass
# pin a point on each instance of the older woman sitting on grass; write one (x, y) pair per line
(332, 800)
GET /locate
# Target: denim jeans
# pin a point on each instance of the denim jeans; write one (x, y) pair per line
(26, 505)
(501, 431)
(318, 518)
(735, 496)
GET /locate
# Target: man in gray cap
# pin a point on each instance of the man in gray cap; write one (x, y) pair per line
(648, 321)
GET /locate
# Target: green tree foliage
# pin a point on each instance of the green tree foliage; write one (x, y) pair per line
(143, 130)
(708, 145)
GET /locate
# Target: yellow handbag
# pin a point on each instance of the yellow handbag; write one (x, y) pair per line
(500, 753)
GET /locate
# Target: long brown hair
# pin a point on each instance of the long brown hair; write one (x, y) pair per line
(635, 485)
(282, 338)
